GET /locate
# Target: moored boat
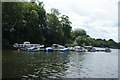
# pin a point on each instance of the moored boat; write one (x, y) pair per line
(79, 49)
(33, 49)
(49, 49)
(65, 49)
(92, 49)
(107, 50)
(26, 45)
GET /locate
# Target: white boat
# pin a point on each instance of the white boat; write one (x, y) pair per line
(71, 48)
(36, 49)
(107, 50)
(49, 49)
(92, 49)
(57, 47)
(33, 49)
(64, 49)
(79, 49)
(26, 45)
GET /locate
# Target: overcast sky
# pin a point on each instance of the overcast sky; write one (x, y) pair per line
(98, 17)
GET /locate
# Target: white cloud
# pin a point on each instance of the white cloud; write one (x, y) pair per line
(77, 20)
(97, 17)
(104, 31)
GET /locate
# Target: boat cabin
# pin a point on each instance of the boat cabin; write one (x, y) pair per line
(57, 46)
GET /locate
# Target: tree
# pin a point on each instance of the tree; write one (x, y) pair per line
(66, 27)
(21, 22)
(12, 22)
(54, 28)
(78, 32)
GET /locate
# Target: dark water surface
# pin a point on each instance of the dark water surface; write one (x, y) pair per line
(16, 64)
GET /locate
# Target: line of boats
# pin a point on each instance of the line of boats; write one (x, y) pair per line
(26, 46)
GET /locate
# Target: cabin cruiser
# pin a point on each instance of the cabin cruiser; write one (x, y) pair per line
(92, 49)
(26, 45)
(57, 47)
(49, 49)
(60, 47)
(107, 50)
(79, 49)
(71, 48)
(33, 49)
(65, 49)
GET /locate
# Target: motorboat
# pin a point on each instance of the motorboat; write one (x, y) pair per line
(92, 49)
(79, 49)
(33, 49)
(107, 50)
(49, 49)
(64, 49)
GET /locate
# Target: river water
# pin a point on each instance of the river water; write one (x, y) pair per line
(17, 64)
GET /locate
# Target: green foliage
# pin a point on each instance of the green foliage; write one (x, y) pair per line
(21, 22)
(30, 22)
(12, 21)
(82, 39)
(55, 12)
(58, 28)
(78, 32)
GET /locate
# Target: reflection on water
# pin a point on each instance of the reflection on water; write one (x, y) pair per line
(17, 64)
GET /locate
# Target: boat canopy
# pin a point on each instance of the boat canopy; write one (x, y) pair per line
(26, 42)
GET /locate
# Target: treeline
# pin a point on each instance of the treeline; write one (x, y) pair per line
(30, 22)
(81, 38)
